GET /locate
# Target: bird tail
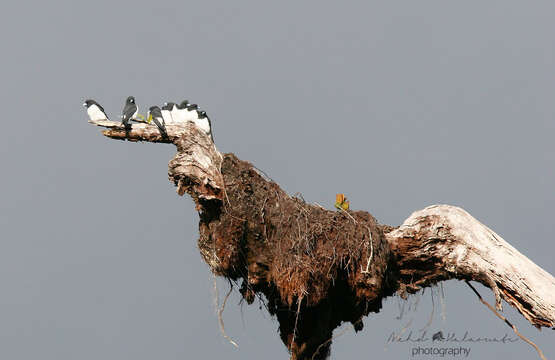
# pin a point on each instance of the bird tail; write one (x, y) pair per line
(161, 128)
(163, 131)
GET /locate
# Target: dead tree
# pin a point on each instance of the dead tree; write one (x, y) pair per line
(318, 268)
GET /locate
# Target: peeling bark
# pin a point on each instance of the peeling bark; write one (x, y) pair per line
(318, 268)
(444, 242)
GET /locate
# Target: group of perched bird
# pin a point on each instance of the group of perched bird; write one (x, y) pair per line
(169, 114)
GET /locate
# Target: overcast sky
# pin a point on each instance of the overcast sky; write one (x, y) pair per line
(398, 104)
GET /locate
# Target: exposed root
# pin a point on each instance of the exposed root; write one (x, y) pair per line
(442, 300)
(431, 319)
(365, 271)
(299, 301)
(540, 353)
(220, 311)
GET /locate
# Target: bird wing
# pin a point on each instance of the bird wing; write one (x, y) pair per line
(210, 126)
(96, 112)
(93, 103)
(160, 126)
(100, 107)
(156, 113)
(129, 111)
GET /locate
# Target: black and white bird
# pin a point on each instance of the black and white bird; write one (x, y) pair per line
(94, 110)
(130, 111)
(192, 113)
(179, 114)
(203, 122)
(167, 113)
(155, 114)
(173, 110)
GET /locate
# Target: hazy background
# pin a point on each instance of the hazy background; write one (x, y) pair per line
(399, 105)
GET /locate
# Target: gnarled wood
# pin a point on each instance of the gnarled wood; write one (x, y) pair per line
(318, 268)
(444, 242)
(196, 166)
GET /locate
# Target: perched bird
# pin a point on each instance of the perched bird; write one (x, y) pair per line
(94, 110)
(191, 114)
(203, 122)
(173, 110)
(179, 114)
(341, 202)
(130, 111)
(155, 114)
(167, 113)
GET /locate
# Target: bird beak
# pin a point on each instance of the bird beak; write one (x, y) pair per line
(84, 104)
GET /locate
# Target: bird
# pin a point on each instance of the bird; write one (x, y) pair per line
(191, 114)
(129, 112)
(341, 202)
(94, 110)
(203, 122)
(179, 114)
(167, 113)
(155, 114)
(173, 110)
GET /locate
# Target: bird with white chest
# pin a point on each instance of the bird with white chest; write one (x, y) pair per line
(155, 114)
(94, 110)
(184, 112)
(179, 113)
(167, 113)
(174, 111)
(191, 112)
(203, 122)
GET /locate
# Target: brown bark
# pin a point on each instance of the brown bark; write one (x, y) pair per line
(318, 268)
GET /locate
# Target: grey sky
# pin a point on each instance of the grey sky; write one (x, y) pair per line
(399, 105)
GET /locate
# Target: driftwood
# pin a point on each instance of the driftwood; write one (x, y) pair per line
(318, 268)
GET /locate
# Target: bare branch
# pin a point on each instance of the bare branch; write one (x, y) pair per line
(196, 166)
(138, 132)
(444, 242)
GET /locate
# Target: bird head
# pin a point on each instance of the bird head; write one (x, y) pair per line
(168, 106)
(149, 113)
(130, 100)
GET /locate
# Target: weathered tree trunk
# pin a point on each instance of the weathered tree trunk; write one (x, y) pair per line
(318, 268)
